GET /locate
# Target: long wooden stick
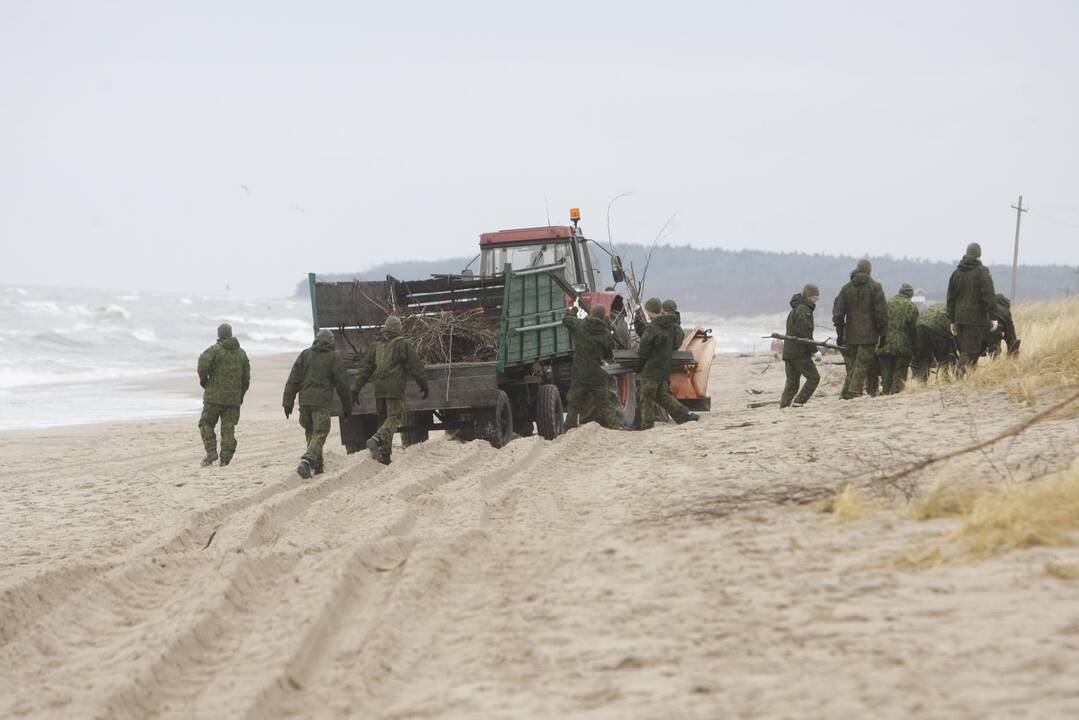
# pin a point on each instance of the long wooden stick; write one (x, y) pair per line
(1010, 432)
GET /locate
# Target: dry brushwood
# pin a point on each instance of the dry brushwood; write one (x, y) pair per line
(453, 337)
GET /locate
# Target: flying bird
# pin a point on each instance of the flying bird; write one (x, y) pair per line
(245, 189)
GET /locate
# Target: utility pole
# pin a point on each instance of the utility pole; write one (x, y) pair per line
(1019, 210)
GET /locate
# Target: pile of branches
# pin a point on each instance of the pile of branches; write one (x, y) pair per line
(456, 337)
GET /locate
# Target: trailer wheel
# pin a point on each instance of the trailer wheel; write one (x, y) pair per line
(500, 426)
(356, 430)
(549, 416)
(524, 428)
(420, 423)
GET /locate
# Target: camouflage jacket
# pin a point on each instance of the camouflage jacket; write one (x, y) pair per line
(902, 328)
(657, 348)
(224, 373)
(799, 324)
(935, 319)
(389, 364)
(860, 312)
(971, 297)
(317, 372)
(592, 344)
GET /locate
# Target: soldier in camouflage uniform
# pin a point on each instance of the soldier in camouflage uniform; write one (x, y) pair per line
(972, 305)
(860, 315)
(897, 346)
(670, 307)
(655, 352)
(934, 342)
(390, 362)
(1004, 332)
(225, 374)
(592, 344)
(798, 357)
(316, 374)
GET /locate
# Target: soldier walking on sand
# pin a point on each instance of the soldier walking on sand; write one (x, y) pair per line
(317, 372)
(897, 346)
(225, 375)
(971, 306)
(655, 353)
(934, 342)
(860, 315)
(592, 344)
(390, 363)
(798, 357)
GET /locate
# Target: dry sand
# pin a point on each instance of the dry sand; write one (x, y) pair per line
(548, 579)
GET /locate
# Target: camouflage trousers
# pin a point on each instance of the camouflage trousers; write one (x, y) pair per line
(229, 415)
(797, 369)
(969, 341)
(391, 413)
(658, 392)
(598, 397)
(893, 372)
(863, 371)
(932, 347)
(315, 422)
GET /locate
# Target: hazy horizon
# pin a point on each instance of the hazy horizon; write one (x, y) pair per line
(186, 147)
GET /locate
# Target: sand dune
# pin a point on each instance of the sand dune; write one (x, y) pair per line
(604, 574)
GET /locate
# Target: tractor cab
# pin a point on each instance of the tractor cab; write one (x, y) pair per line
(525, 248)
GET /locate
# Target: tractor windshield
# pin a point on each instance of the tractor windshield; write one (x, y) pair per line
(521, 257)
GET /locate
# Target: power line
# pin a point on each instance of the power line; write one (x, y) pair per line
(1019, 210)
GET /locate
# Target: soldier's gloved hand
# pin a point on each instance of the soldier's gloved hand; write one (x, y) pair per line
(954, 329)
(355, 397)
(288, 411)
(425, 392)
(993, 325)
(202, 383)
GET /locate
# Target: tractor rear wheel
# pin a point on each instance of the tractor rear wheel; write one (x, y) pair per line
(418, 432)
(524, 428)
(549, 418)
(500, 425)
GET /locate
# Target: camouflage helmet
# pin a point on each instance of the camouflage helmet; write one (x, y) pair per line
(393, 325)
(653, 305)
(598, 311)
(670, 306)
(224, 330)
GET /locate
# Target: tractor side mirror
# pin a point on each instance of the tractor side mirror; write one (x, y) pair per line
(616, 269)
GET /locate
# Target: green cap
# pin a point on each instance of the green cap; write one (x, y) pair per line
(864, 266)
(224, 330)
(907, 290)
(670, 306)
(653, 305)
(325, 336)
(974, 250)
(810, 290)
(393, 325)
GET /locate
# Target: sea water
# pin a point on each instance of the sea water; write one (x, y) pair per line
(70, 356)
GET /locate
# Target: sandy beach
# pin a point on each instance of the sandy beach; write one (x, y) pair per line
(669, 574)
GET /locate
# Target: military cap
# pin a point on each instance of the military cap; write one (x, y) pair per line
(393, 324)
(974, 250)
(598, 311)
(810, 290)
(224, 330)
(864, 266)
(906, 289)
(670, 306)
(653, 305)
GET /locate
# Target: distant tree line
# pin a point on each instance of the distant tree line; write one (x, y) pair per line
(754, 282)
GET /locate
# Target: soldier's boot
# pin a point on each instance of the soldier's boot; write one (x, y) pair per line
(384, 457)
(317, 470)
(797, 404)
(304, 468)
(375, 448)
(225, 461)
(211, 458)
(691, 417)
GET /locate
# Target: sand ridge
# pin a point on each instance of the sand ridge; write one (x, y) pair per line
(570, 578)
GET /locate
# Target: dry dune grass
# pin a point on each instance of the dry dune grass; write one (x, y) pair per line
(1000, 519)
(1049, 357)
(850, 504)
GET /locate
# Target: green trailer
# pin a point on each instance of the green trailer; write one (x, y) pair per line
(520, 392)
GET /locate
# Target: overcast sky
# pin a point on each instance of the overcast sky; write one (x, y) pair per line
(185, 146)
